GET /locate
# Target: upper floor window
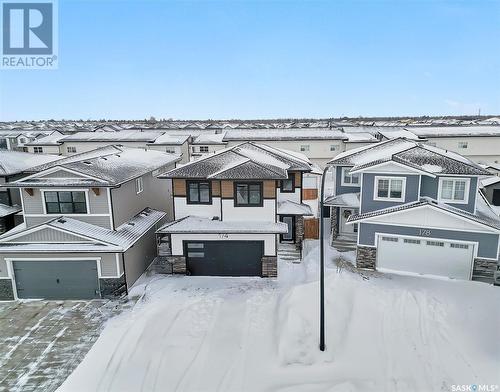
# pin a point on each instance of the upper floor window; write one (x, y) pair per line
(71, 149)
(198, 192)
(248, 194)
(288, 185)
(349, 179)
(334, 147)
(390, 188)
(22, 140)
(139, 185)
(65, 202)
(454, 190)
(304, 147)
(38, 150)
(170, 150)
(463, 144)
(203, 148)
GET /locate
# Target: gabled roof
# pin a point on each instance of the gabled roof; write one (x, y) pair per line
(99, 239)
(289, 207)
(418, 156)
(14, 162)
(244, 161)
(54, 139)
(284, 134)
(6, 210)
(484, 214)
(343, 200)
(108, 170)
(115, 137)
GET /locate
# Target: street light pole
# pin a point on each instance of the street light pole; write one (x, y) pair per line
(322, 264)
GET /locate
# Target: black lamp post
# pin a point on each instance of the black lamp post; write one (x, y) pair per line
(322, 264)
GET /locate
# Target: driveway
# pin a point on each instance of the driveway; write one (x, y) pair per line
(43, 341)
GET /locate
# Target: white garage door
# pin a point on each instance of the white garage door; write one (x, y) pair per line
(425, 256)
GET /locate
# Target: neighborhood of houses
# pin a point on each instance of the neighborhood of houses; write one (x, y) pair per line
(83, 213)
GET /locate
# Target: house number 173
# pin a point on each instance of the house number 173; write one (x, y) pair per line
(424, 232)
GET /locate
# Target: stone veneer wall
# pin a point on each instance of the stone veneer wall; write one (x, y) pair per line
(6, 290)
(112, 287)
(269, 266)
(179, 265)
(299, 230)
(483, 270)
(366, 257)
(334, 227)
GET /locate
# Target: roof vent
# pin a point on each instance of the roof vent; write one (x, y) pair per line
(61, 220)
(131, 223)
(215, 218)
(87, 162)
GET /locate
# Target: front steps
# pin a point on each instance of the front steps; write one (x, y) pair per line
(344, 243)
(289, 252)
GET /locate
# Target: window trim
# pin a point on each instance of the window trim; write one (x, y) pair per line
(388, 198)
(73, 149)
(139, 185)
(305, 147)
(235, 198)
(205, 149)
(87, 203)
(37, 150)
(188, 201)
(334, 147)
(342, 175)
(454, 179)
(463, 145)
(291, 176)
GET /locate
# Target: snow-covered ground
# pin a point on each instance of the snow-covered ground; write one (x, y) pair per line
(384, 333)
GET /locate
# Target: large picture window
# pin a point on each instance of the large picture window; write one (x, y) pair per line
(390, 188)
(454, 190)
(248, 194)
(198, 192)
(65, 202)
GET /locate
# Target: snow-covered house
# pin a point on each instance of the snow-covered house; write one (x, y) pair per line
(416, 208)
(207, 143)
(49, 144)
(230, 207)
(89, 225)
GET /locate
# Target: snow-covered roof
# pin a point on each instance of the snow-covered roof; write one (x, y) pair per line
(484, 214)
(99, 238)
(289, 207)
(170, 140)
(452, 131)
(343, 200)
(394, 133)
(115, 137)
(284, 134)
(13, 162)
(432, 160)
(210, 138)
(6, 210)
(108, 170)
(360, 137)
(244, 161)
(197, 224)
(489, 181)
(54, 139)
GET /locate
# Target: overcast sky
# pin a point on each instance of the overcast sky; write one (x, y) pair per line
(221, 60)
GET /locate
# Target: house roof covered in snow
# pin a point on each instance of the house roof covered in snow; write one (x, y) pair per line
(244, 161)
(115, 137)
(489, 181)
(422, 157)
(6, 210)
(94, 238)
(285, 134)
(289, 207)
(54, 139)
(456, 131)
(397, 132)
(170, 140)
(197, 224)
(109, 170)
(210, 138)
(343, 200)
(14, 162)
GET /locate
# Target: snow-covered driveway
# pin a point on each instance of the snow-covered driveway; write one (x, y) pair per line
(384, 333)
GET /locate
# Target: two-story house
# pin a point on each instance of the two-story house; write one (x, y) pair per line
(415, 208)
(89, 225)
(232, 208)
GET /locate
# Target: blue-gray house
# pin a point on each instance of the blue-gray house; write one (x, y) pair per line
(415, 208)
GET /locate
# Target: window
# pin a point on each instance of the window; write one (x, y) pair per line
(170, 150)
(390, 188)
(22, 140)
(38, 150)
(463, 144)
(203, 148)
(435, 243)
(349, 179)
(390, 239)
(459, 246)
(304, 147)
(71, 149)
(248, 194)
(65, 203)
(288, 185)
(455, 190)
(432, 144)
(334, 147)
(139, 185)
(410, 241)
(4, 197)
(198, 192)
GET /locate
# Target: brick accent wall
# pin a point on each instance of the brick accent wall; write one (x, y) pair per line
(366, 257)
(269, 266)
(178, 264)
(6, 290)
(483, 270)
(333, 223)
(112, 287)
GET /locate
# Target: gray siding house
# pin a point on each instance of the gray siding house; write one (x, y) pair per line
(411, 207)
(90, 223)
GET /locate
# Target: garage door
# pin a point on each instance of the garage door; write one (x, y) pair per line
(425, 256)
(65, 279)
(225, 258)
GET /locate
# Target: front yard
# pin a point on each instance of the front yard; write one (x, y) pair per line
(384, 333)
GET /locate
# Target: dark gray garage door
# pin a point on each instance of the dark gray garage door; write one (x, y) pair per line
(57, 279)
(224, 258)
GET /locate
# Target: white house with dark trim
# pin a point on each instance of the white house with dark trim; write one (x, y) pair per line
(232, 208)
(415, 208)
(89, 225)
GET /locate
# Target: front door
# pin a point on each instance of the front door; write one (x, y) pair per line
(290, 222)
(344, 228)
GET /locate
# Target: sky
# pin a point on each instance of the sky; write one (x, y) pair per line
(264, 59)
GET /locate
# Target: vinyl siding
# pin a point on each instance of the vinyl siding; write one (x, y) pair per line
(49, 235)
(429, 187)
(341, 189)
(139, 256)
(102, 221)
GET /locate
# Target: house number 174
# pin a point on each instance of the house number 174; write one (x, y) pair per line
(424, 232)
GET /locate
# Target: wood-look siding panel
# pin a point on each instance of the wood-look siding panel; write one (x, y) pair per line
(309, 194)
(227, 188)
(179, 187)
(215, 188)
(269, 189)
(298, 179)
(311, 228)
